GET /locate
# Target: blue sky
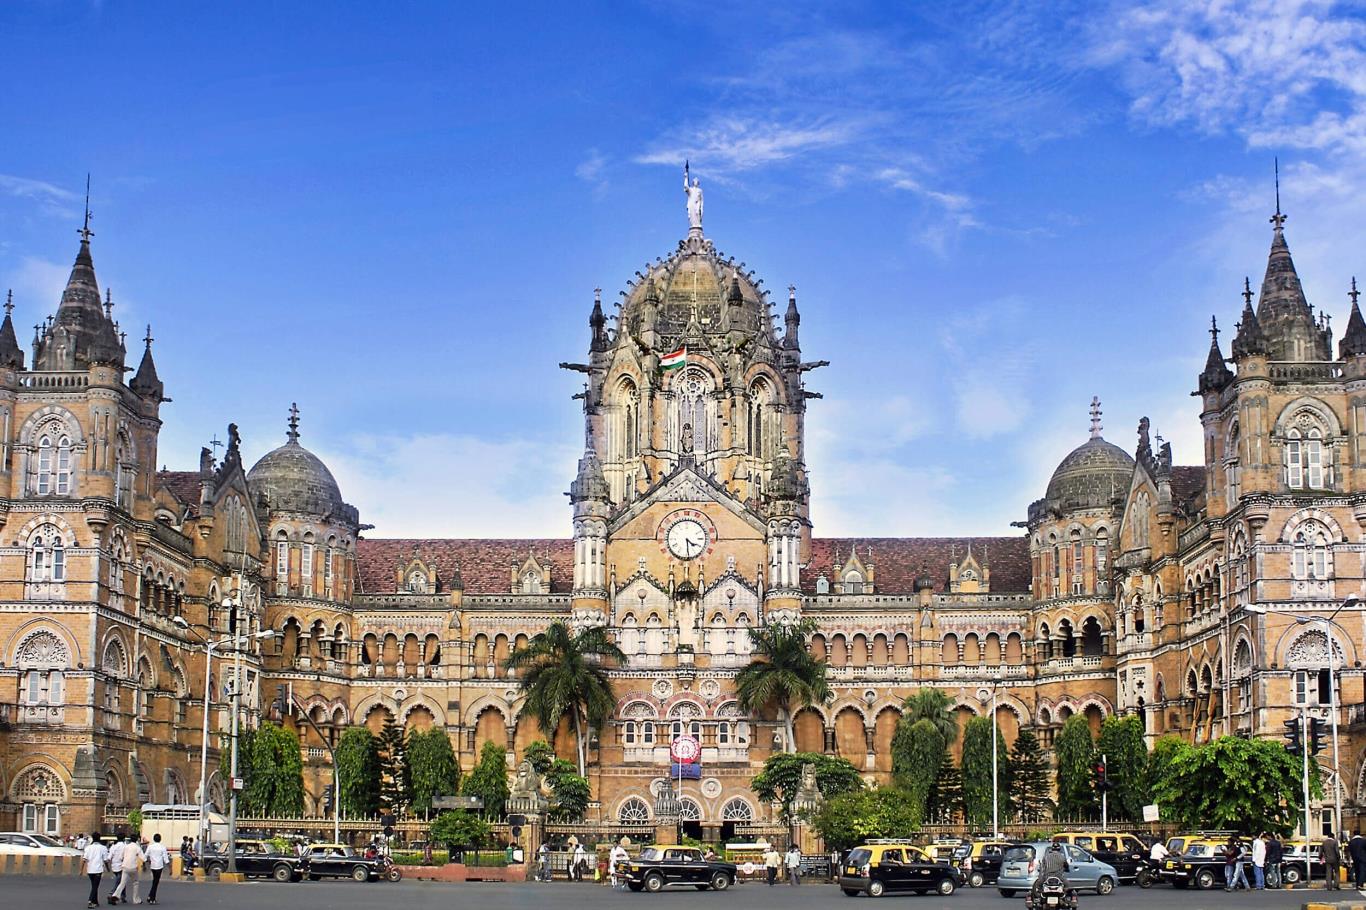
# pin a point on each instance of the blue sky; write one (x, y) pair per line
(395, 214)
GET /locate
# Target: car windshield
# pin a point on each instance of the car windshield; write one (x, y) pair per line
(651, 854)
(859, 857)
(1021, 854)
(45, 840)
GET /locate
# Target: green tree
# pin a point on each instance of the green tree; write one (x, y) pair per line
(458, 829)
(854, 817)
(565, 673)
(782, 674)
(918, 751)
(432, 767)
(358, 771)
(540, 754)
(1126, 766)
(1246, 785)
(1075, 753)
(1030, 802)
(934, 706)
(1165, 751)
(569, 792)
(975, 769)
(277, 773)
(394, 793)
(781, 778)
(945, 800)
(489, 780)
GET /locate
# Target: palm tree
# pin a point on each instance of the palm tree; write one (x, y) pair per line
(564, 674)
(934, 706)
(782, 673)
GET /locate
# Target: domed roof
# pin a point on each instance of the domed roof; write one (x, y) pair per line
(1091, 476)
(293, 479)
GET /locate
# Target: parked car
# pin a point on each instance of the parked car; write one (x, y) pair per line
(661, 866)
(256, 859)
(881, 866)
(341, 861)
(1296, 866)
(1123, 851)
(1086, 873)
(982, 862)
(33, 845)
(1201, 864)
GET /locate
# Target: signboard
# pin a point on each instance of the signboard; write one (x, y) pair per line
(237, 783)
(1150, 813)
(815, 865)
(687, 772)
(685, 750)
(458, 802)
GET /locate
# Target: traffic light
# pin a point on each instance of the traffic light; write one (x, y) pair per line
(329, 794)
(1315, 736)
(1294, 742)
(1102, 782)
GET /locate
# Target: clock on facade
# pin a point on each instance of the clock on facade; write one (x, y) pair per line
(687, 539)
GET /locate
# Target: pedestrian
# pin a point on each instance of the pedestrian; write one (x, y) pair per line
(1332, 861)
(1356, 849)
(1259, 862)
(543, 869)
(132, 859)
(81, 842)
(1233, 865)
(157, 860)
(772, 861)
(94, 860)
(580, 861)
(116, 867)
(794, 865)
(1274, 853)
(615, 859)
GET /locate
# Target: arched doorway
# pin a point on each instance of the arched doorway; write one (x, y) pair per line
(734, 814)
(690, 814)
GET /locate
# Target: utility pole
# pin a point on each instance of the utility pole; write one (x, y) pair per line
(233, 620)
(1304, 751)
(1104, 794)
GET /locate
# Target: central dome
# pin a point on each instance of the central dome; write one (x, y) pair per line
(293, 479)
(1091, 476)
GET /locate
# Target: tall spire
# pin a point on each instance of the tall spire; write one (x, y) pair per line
(146, 382)
(10, 353)
(598, 322)
(82, 332)
(1216, 374)
(1353, 342)
(293, 434)
(1095, 417)
(792, 321)
(1282, 310)
(1250, 338)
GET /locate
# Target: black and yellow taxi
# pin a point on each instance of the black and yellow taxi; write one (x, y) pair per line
(881, 866)
(1125, 852)
(661, 866)
(981, 863)
(256, 859)
(1194, 859)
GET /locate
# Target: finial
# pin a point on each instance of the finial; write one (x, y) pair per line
(1247, 290)
(85, 231)
(1214, 329)
(1278, 219)
(1353, 293)
(1095, 416)
(215, 443)
(123, 339)
(9, 299)
(108, 303)
(597, 295)
(293, 433)
(791, 292)
(147, 339)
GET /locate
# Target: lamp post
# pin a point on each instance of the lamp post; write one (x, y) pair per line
(995, 776)
(209, 648)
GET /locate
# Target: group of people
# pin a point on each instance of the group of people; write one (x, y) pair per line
(775, 863)
(1265, 854)
(126, 859)
(575, 869)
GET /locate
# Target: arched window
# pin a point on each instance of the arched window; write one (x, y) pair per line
(531, 583)
(853, 582)
(1140, 509)
(1313, 458)
(47, 557)
(126, 468)
(1102, 558)
(1233, 473)
(40, 793)
(695, 411)
(1311, 552)
(306, 567)
(634, 811)
(737, 810)
(42, 658)
(760, 440)
(282, 565)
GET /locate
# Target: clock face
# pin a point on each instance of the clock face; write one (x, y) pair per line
(687, 539)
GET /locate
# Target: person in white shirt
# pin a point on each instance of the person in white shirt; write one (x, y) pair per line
(1259, 863)
(1159, 852)
(580, 862)
(133, 860)
(793, 861)
(158, 858)
(116, 867)
(81, 842)
(94, 860)
(618, 855)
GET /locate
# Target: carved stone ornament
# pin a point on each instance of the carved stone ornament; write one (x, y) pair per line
(43, 649)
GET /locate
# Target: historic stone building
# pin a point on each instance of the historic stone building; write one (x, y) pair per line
(1179, 593)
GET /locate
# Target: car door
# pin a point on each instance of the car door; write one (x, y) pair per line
(1107, 851)
(988, 861)
(1082, 871)
(691, 867)
(891, 869)
(922, 870)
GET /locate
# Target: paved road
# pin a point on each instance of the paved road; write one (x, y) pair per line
(32, 893)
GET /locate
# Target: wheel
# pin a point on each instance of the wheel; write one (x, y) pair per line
(1291, 875)
(654, 882)
(634, 886)
(393, 874)
(976, 880)
(849, 892)
(946, 886)
(213, 869)
(1105, 885)
(360, 874)
(1007, 892)
(1204, 880)
(282, 873)
(1144, 879)
(875, 888)
(720, 881)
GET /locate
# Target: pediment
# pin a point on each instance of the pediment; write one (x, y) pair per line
(686, 484)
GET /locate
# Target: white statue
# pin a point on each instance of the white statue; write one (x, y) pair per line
(694, 191)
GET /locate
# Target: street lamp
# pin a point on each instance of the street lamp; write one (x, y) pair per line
(209, 648)
(995, 779)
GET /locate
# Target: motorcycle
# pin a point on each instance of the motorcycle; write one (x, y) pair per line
(1147, 874)
(1052, 894)
(388, 871)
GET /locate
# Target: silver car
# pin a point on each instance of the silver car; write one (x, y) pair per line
(1020, 867)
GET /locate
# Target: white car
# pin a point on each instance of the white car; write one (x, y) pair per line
(33, 845)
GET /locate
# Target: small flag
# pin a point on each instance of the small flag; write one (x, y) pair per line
(674, 360)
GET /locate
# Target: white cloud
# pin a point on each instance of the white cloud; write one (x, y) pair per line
(452, 485)
(38, 284)
(49, 197)
(728, 144)
(592, 170)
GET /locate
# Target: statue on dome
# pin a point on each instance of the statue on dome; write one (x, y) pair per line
(693, 189)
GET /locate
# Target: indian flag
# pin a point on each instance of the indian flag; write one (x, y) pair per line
(674, 360)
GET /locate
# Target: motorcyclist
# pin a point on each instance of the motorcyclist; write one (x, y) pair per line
(1054, 862)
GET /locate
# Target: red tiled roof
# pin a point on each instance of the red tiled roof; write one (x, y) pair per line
(1187, 481)
(184, 485)
(898, 560)
(485, 565)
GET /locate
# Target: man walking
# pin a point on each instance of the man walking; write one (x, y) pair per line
(1233, 865)
(1259, 862)
(580, 861)
(772, 861)
(132, 859)
(158, 858)
(1274, 853)
(615, 859)
(794, 865)
(1332, 861)
(94, 860)
(116, 867)
(1356, 849)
